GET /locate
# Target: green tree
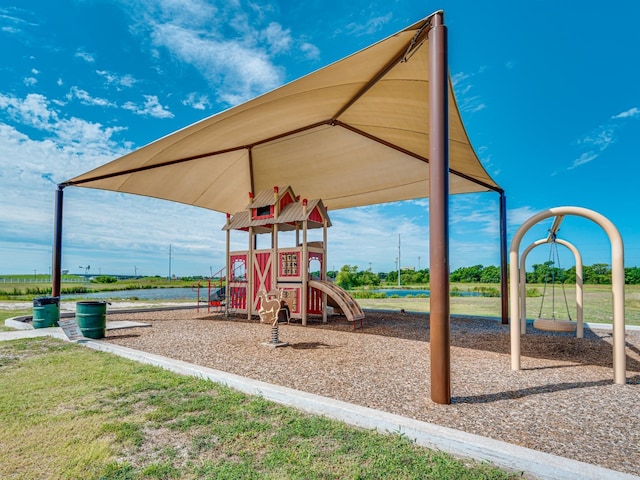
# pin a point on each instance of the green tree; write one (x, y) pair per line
(392, 277)
(632, 276)
(570, 275)
(347, 277)
(467, 274)
(367, 277)
(490, 274)
(598, 273)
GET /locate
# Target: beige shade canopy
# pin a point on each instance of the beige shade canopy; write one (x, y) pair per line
(353, 133)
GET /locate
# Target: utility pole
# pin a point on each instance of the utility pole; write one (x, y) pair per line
(169, 263)
(418, 262)
(399, 267)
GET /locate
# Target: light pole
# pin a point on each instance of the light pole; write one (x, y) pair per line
(399, 267)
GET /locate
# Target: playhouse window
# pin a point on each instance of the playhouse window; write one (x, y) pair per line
(239, 271)
(263, 211)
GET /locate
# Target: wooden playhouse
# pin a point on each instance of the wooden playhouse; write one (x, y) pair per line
(281, 270)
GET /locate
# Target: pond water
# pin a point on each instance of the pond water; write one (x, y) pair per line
(405, 292)
(189, 294)
(144, 294)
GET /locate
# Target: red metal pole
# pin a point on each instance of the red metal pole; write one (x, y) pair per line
(439, 211)
(197, 297)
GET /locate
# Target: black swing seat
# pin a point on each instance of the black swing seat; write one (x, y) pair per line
(554, 325)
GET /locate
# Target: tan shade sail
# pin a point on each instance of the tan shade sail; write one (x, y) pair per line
(353, 133)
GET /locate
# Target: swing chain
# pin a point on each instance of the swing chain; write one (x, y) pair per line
(553, 248)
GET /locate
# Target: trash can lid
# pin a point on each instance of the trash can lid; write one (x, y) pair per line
(39, 302)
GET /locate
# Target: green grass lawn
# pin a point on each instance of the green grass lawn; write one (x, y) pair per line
(73, 413)
(4, 314)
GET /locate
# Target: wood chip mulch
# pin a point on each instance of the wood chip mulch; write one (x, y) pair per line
(563, 401)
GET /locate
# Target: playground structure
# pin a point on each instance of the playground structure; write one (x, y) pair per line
(254, 275)
(517, 293)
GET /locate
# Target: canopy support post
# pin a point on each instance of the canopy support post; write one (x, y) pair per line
(504, 275)
(439, 212)
(56, 267)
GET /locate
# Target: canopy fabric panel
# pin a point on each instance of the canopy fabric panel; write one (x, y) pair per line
(353, 133)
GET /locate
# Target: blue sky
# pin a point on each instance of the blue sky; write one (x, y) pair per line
(548, 91)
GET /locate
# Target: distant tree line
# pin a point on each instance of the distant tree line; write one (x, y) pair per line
(349, 277)
(596, 274)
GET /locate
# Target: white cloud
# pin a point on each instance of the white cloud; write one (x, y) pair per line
(150, 108)
(595, 142)
(369, 27)
(631, 113)
(33, 110)
(309, 50)
(601, 137)
(517, 216)
(29, 170)
(30, 81)
(278, 39)
(239, 71)
(586, 157)
(231, 44)
(12, 21)
(462, 86)
(458, 78)
(87, 57)
(197, 101)
(119, 80)
(86, 99)
(74, 136)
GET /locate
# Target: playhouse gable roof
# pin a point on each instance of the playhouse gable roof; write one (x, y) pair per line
(267, 198)
(295, 212)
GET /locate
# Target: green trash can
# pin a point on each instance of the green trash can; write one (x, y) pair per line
(92, 318)
(46, 312)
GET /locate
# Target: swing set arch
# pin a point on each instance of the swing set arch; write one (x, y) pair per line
(579, 326)
(617, 282)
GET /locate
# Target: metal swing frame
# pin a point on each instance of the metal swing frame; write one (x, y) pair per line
(554, 324)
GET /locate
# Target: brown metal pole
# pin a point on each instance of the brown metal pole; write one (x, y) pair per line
(439, 211)
(504, 276)
(56, 267)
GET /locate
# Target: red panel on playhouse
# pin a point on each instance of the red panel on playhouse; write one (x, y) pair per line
(262, 273)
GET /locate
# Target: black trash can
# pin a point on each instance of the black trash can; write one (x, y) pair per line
(92, 319)
(46, 312)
